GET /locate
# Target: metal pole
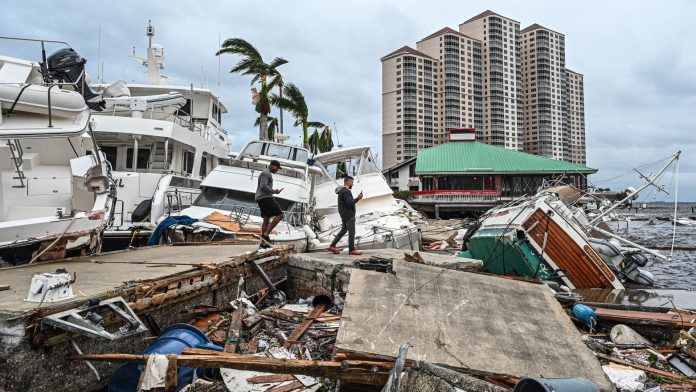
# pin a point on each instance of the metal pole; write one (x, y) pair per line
(644, 249)
(50, 122)
(134, 160)
(281, 109)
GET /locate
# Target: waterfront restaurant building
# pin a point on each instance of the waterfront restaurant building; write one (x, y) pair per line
(466, 175)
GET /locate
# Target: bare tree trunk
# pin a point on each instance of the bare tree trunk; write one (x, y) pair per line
(305, 135)
(263, 126)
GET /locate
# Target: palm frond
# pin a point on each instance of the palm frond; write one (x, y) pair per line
(277, 62)
(272, 121)
(315, 124)
(241, 47)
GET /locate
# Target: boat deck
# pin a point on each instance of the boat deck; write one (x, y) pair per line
(100, 273)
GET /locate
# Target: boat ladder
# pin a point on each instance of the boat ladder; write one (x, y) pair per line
(16, 155)
(161, 155)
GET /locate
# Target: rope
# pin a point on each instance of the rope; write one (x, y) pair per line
(543, 247)
(497, 241)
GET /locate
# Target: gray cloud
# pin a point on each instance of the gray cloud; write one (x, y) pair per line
(637, 57)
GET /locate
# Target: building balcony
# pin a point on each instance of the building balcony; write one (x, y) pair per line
(456, 197)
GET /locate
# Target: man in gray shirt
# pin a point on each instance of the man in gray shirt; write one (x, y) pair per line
(267, 204)
(346, 209)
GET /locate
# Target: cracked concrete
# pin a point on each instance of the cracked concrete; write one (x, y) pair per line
(464, 320)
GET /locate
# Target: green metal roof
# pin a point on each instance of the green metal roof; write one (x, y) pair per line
(475, 157)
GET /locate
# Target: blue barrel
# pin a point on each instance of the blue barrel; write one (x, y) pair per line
(578, 384)
(173, 340)
(585, 314)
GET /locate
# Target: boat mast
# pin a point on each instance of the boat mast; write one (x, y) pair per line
(648, 182)
(153, 74)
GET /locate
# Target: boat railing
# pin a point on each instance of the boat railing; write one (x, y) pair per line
(177, 200)
(44, 72)
(193, 126)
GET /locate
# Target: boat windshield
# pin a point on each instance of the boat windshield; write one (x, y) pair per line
(275, 150)
(353, 166)
(232, 200)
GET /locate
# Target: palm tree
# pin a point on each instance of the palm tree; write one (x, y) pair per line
(326, 141)
(321, 142)
(266, 75)
(272, 125)
(294, 102)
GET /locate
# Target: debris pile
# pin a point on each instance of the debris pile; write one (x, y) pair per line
(642, 351)
(443, 235)
(267, 325)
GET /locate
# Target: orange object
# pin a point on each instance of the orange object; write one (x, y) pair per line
(226, 222)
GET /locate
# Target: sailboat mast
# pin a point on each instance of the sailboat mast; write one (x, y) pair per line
(616, 205)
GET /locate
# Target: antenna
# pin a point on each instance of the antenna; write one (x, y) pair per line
(338, 139)
(99, 75)
(219, 47)
(150, 33)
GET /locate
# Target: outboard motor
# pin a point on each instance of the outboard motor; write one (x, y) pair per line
(66, 66)
(631, 271)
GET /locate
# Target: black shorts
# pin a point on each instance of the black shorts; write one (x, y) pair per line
(269, 207)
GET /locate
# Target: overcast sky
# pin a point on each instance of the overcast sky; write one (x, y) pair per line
(638, 58)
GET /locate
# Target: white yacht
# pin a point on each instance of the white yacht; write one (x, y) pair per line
(227, 198)
(161, 141)
(56, 194)
(381, 221)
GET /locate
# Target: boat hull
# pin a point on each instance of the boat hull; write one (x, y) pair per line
(537, 241)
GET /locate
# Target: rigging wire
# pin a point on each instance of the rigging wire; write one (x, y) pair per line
(676, 201)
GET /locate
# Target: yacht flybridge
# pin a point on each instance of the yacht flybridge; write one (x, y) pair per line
(161, 141)
(56, 194)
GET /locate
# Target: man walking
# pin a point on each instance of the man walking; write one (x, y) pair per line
(267, 204)
(346, 208)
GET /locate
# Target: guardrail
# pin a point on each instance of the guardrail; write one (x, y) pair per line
(456, 198)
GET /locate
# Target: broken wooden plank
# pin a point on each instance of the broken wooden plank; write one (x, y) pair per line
(370, 374)
(270, 378)
(171, 375)
(648, 369)
(4, 287)
(302, 328)
(235, 330)
(677, 320)
(367, 359)
(286, 387)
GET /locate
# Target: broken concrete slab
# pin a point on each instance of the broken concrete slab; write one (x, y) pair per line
(464, 320)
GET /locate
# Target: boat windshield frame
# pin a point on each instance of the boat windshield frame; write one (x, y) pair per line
(364, 164)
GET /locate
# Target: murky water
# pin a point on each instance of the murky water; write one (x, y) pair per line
(646, 229)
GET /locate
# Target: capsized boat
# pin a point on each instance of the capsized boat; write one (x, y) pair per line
(56, 194)
(381, 221)
(537, 237)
